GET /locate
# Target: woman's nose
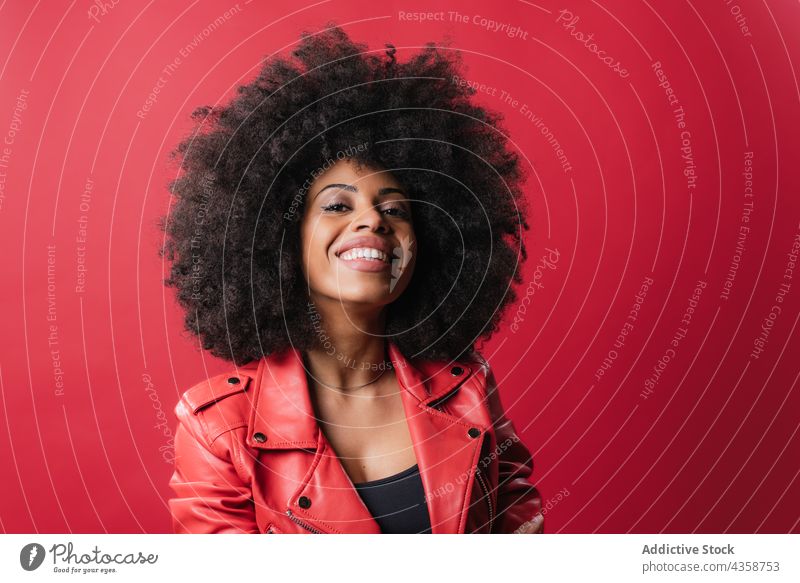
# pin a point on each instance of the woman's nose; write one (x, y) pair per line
(372, 218)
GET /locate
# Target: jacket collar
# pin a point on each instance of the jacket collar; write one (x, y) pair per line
(447, 447)
(282, 409)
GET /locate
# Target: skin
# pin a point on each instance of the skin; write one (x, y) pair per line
(365, 425)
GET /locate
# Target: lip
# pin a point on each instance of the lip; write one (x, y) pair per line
(367, 264)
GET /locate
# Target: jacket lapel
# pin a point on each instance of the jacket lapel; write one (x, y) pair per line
(282, 418)
(447, 447)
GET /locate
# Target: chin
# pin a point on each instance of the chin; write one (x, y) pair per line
(362, 297)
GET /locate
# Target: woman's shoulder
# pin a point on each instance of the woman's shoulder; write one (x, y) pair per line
(218, 403)
(476, 358)
(476, 363)
(218, 387)
(468, 373)
(473, 360)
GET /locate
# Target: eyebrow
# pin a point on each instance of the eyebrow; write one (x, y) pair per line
(351, 188)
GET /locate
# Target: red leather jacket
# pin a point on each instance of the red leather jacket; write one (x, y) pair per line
(250, 457)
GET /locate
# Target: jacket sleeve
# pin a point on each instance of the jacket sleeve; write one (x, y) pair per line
(517, 499)
(211, 496)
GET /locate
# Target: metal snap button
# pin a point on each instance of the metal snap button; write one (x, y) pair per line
(456, 370)
(233, 381)
(259, 437)
(304, 502)
(474, 432)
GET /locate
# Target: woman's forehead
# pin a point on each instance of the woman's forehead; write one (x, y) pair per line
(360, 177)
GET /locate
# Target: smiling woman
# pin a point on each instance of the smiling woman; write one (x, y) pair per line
(345, 231)
(358, 220)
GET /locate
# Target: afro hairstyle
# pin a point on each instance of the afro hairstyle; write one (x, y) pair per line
(232, 233)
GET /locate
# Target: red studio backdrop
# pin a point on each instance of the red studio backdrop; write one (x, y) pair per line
(651, 362)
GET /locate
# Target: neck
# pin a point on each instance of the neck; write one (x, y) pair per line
(350, 349)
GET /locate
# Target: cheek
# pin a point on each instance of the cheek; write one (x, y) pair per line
(314, 248)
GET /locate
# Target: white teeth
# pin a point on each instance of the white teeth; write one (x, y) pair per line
(367, 253)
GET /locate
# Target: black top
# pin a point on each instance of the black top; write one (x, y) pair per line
(397, 502)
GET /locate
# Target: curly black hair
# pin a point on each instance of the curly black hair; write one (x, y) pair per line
(232, 235)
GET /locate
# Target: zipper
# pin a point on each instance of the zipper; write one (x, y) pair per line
(308, 527)
(485, 489)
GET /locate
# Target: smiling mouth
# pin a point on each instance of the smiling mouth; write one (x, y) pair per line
(369, 259)
(366, 254)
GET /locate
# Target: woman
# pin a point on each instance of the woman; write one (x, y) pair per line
(344, 232)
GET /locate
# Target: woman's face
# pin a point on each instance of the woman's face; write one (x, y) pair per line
(357, 237)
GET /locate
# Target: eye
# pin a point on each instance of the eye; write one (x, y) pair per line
(396, 211)
(334, 207)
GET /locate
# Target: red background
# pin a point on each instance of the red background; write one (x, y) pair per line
(713, 448)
